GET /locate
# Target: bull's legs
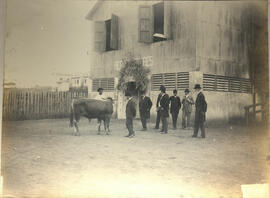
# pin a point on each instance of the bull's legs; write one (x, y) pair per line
(99, 125)
(76, 129)
(107, 126)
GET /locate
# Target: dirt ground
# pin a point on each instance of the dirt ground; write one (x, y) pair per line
(43, 158)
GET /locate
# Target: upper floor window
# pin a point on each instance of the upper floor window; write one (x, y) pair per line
(154, 22)
(106, 34)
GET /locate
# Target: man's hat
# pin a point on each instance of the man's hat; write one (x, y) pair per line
(197, 86)
(187, 91)
(162, 88)
(100, 89)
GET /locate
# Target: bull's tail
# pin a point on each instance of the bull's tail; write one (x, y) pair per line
(71, 114)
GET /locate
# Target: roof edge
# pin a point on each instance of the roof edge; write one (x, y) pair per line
(90, 14)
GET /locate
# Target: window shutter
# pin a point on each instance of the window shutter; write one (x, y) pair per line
(169, 81)
(145, 24)
(106, 83)
(209, 82)
(222, 83)
(235, 85)
(114, 32)
(156, 80)
(100, 36)
(167, 19)
(182, 80)
(246, 85)
(95, 84)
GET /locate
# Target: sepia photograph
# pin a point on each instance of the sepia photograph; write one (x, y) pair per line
(134, 99)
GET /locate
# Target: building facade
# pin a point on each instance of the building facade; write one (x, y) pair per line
(74, 82)
(183, 43)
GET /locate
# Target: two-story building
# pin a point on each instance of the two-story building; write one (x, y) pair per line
(183, 43)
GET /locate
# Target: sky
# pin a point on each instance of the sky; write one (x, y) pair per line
(46, 37)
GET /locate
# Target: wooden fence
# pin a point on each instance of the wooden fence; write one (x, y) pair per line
(27, 105)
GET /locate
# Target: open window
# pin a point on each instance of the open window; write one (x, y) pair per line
(106, 34)
(155, 22)
(158, 15)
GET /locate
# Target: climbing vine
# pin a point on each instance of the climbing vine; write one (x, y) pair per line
(133, 69)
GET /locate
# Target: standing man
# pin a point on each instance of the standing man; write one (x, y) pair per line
(187, 109)
(145, 105)
(164, 109)
(201, 107)
(100, 96)
(175, 107)
(158, 110)
(130, 115)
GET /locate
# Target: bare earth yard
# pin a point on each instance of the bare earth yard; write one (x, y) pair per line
(44, 159)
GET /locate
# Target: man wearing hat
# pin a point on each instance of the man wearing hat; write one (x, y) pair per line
(130, 114)
(163, 106)
(187, 109)
(175, 107)
(201, 107)
(100, 96)
(145, 105)
(158, 109)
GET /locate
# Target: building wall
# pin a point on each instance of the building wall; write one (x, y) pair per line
(207, 37)
(222, 107)
(223, 35)
(169, 56)
(212, 37)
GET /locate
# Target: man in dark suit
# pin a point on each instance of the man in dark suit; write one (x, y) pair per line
(175, 107)
(158, 111)
(163, 106)
(130, 115)
(145, 105)
(201, 107)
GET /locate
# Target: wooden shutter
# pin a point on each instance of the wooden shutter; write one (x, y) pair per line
(235, 85)
(95, 84)
(100, 36)
(167, 19)
(145, 24)
(110, 84)
(209, 82)
(156, 80)
(182, 80)
(246, 85)
(222, 83)
(114, 32)
(106, 83)
(169, 81)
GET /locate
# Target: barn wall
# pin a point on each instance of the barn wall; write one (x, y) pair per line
(221, 106)
(212, 37)
(223, 34)
(208, 37)
(169, 56)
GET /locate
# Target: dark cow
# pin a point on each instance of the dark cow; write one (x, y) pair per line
(91, 108)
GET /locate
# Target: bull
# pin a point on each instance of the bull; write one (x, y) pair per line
(91, 108)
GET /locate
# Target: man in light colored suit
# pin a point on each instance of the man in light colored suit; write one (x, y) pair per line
(187, 109)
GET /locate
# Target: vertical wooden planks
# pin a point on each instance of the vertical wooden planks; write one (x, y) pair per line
(29, 104)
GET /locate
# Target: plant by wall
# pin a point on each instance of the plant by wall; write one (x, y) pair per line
(133, 70)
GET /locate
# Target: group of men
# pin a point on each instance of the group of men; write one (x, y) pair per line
(163, 105)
